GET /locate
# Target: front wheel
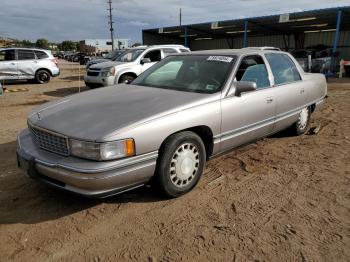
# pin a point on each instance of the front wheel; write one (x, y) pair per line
(42, 77)
(301, 126)
(180, 164)
(126, 79)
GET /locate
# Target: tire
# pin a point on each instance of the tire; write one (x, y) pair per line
(301, 126)
(125, 78)
(180, 164)
(42, 76)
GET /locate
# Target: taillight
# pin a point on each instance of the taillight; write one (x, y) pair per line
(54, 61)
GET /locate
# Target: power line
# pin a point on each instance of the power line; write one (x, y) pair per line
(111, 22)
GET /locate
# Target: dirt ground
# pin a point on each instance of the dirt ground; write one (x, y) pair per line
(281, 199)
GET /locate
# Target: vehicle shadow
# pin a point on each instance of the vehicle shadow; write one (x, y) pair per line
(62, 92)
(15, 82)
(74, 78)
(27, 201)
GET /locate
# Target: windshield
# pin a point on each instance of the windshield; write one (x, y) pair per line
(130, 56)
(189, 73)
(113, 54)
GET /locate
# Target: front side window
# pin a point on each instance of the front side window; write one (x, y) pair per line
(189, 73)
(283, 68)
(153, 55)
(7, 55)
(26, 55)
(253, 69)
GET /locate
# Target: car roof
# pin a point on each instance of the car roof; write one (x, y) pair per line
(25, 48)
(236, 52)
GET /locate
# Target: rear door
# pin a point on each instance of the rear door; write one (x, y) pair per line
(251, 115)
(8, 64)
(290, 91)
(26, 63)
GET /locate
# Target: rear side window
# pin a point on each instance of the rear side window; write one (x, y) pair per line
(283, 68)
(7, 55)
(41, 54)
(169, 51)
(25, 55)
(184, 50)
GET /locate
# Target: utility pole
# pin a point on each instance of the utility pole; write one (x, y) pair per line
(111, 22)
(180, 17)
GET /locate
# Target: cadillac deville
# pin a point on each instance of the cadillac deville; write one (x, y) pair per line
(168, 122)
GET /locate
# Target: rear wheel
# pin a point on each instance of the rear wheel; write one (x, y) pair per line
(301, 126)
(180, 164)
(42, 77)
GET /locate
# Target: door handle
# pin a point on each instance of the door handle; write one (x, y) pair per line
(13, 64)
(269, 100)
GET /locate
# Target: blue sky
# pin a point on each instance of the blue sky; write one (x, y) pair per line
(59, 20)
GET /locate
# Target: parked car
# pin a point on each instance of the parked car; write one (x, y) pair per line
(28, 63)
(168, 122)
(314, 60)
(112, 56)
(129, 65)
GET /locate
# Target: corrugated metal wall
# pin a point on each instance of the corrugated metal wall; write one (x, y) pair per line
(325, 38)
(155, 39)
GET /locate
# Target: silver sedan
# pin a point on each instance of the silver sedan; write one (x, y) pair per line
(168, 122)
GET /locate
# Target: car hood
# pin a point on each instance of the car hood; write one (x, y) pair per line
(100, 60)
(107, 64)
(97, 114)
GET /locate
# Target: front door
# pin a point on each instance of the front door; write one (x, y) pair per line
(251, 115)
(8, 64)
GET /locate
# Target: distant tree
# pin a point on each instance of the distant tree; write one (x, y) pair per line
(68, 46)
(77, 45)
(27, 43)
(42, 43)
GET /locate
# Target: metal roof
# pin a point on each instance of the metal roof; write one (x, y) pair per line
(321, 20)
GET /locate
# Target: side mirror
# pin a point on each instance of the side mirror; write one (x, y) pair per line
(145, 60)
(240, 87)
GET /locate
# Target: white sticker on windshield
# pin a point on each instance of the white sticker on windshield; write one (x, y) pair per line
(225, 59)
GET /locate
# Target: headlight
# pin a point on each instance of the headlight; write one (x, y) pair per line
(102, 151)
(109, 71)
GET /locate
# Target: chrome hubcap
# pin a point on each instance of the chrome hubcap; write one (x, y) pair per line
(303, 117)
(184, 164)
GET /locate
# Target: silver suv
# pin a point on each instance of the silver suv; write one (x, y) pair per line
(27, 63)
(129, 65)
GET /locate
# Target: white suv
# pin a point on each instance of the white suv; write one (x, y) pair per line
(129, 65)
(27, 63)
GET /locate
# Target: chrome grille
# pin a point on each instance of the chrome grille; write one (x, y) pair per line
(50, 141)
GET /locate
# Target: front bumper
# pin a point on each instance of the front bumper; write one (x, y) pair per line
(103, 81)
(84, 177)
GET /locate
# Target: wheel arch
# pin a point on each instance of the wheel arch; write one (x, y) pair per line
(204, 132)
(43, 68)
(133, 74)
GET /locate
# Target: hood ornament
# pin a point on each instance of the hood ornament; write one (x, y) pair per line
(38, 114)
